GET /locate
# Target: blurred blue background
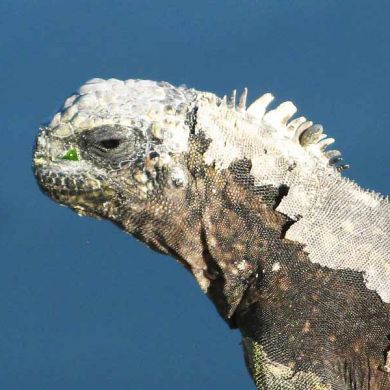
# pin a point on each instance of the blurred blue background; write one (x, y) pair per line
(85, 306)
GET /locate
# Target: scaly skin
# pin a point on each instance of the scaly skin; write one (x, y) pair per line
(251, 207)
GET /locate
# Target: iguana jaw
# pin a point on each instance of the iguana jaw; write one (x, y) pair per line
(82, 190)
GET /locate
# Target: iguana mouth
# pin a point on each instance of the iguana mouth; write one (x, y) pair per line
(74, 188)
(53, 181)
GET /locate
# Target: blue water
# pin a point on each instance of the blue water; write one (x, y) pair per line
(84, 306)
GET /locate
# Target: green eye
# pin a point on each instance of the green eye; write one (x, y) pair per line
(71, 155)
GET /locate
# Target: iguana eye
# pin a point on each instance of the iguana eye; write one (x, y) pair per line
(110, 143)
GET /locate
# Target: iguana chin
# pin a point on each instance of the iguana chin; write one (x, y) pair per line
(252, 204)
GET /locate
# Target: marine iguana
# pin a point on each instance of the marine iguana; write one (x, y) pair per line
(253, 205)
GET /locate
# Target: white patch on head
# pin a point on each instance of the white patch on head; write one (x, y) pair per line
(158, 109)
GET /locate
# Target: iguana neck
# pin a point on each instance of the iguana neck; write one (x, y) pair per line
(303, 317)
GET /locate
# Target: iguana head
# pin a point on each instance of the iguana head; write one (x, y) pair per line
(118, 150)
(116, 146)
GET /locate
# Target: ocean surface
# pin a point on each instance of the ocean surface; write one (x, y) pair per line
(83, 305)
